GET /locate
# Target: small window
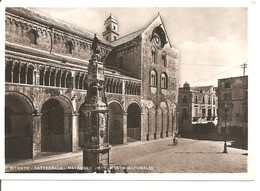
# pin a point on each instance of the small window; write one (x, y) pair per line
(153, 56)
(185, 99)
(107, 38)
(203, 99)
(164, 81)
(203, 113)
(153, 78)
(196, 99)
(164, 58)
(114, 27)
(227, 85)
(33, 36)
(209, 101)
(69, 47)
(114, 37)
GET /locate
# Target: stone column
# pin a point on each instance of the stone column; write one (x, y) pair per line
(26, 75)
(124, 128)
(75, 132)
(143, 132)
(73, 83)
(123, 87)
(36, 135)
(36, 79)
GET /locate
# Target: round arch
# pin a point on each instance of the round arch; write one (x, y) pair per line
(56, 125)
(116, 124)
(133, 122)
(64, 101)
(18, 126)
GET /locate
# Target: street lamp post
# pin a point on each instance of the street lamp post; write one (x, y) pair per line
(225, 141)
(177, 129)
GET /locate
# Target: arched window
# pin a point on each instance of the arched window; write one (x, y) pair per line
(8, 72)
(23, 74)
(209, 101)
(153, 78)
(203, 99)
(69, 47)
(41, 75)
(33, 35)
(30, 74)
(164, 81)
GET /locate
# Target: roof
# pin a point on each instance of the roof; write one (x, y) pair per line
(46, 20)
(111, 17)
(127, 38)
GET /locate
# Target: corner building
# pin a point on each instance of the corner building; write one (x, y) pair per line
(46, 64)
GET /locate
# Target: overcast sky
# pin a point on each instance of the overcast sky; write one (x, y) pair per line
(212, 41)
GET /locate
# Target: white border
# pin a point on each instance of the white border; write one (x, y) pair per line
(252, 47)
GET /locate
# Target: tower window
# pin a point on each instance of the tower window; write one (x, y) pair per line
(153, 78)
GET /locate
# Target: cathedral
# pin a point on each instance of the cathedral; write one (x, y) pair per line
(46, 67)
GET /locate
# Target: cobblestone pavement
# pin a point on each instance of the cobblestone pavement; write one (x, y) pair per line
(158, 156)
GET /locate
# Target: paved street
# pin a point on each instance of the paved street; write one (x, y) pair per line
(158, 156)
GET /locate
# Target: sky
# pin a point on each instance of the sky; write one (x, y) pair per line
(212, 40)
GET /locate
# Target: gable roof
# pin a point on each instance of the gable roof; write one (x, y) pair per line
(135, 34)
(127, 38)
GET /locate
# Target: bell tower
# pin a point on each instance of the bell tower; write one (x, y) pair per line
(111, 29)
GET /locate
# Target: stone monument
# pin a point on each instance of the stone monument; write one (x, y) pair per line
(96, 132)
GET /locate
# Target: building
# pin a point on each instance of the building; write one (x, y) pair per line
(198, 108)
(233, 106)
(46, 64)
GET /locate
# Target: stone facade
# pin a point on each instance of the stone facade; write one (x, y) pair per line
(233, 105)
(46, 70)
(197, 106)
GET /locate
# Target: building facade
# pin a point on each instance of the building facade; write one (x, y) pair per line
(198, 106)
(46, 64)
(233, 105)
